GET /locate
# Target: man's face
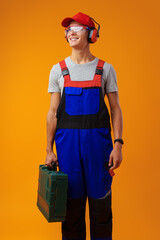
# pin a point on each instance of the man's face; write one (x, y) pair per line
(77, 39)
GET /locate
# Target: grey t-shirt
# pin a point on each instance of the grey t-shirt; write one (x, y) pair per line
(82, 72)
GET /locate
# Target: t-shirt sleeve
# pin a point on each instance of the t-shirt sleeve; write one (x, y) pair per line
(54, 76)
(111, 83)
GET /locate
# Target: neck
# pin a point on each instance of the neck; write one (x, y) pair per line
(81, 56)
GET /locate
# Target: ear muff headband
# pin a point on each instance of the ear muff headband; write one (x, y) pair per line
(93, 33)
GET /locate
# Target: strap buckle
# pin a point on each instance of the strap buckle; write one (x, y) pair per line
(99, 71)
(65, 72)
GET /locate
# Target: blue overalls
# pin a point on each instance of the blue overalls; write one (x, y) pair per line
(83, 144)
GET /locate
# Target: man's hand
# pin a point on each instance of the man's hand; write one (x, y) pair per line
(51, 157)
(116, 156)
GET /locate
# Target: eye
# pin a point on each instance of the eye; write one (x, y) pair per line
(74, 28)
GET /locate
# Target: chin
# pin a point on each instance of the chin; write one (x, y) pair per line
(74, 45)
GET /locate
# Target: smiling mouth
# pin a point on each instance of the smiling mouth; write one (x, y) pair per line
(73, 39)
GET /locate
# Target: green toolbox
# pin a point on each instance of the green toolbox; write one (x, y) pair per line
(52, 193)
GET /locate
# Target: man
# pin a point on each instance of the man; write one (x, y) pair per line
(79, 122)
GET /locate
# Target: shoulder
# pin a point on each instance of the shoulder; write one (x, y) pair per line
(55, 69)
(109, 78)
(55, 75)
(108, 69)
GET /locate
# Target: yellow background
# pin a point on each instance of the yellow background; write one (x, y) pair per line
(32, 40)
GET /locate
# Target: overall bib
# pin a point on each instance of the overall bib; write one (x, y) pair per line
(83, 144)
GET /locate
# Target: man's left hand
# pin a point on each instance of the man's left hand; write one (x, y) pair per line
(116, 156)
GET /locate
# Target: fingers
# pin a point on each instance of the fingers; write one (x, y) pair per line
(51, 157)
(53, 165)
(50, 164)
(115, 159)
(110, 160)
(116, 164)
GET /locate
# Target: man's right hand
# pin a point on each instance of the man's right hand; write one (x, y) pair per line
(51, 157)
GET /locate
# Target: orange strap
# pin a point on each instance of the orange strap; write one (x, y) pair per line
(96, 82)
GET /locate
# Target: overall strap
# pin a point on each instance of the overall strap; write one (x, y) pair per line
(96, 82)
(99, 70)
(65, 71)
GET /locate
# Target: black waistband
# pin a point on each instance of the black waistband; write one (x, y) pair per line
(98, 120)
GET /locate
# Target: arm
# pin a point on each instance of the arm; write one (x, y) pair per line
(51, 127)
(117, 123)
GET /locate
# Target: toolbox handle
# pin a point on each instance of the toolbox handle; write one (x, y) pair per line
(54, 166)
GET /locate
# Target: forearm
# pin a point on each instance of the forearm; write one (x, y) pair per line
(117, 122)
(51, 129)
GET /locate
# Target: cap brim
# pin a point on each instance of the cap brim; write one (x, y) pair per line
(66, 22)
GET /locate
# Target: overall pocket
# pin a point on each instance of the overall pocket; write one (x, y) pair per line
(81, 101)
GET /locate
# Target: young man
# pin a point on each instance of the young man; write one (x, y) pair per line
(79, 122)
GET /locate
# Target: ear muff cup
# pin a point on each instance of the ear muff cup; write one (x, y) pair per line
(92, 35)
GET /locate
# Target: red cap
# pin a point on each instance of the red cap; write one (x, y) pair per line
(79, 17)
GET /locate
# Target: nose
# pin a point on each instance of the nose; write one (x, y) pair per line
(71, 32)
